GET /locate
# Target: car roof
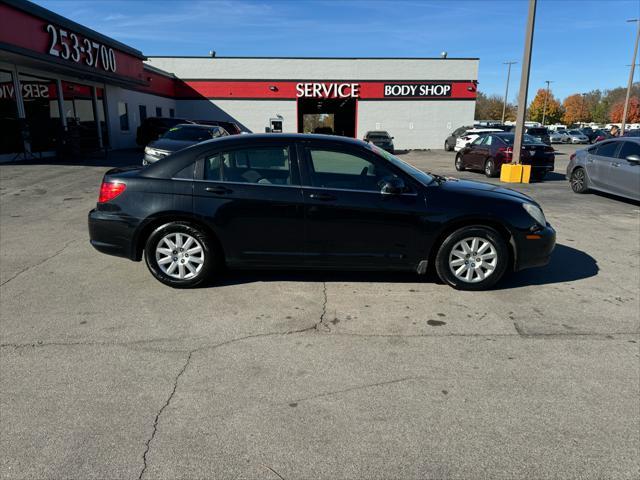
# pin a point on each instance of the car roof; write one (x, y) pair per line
(198, 125)
(377, 132)
(484, 130)
(181, 159)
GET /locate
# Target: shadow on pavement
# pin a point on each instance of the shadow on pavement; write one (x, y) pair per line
(567, 264)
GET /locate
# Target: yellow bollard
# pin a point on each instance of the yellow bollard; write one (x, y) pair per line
(526, 173)
(511, 173)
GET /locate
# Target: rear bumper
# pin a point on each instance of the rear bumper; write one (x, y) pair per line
(112, 234)
(534, 252)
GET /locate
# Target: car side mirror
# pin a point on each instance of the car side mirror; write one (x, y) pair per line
(391, 186)
(633, 158)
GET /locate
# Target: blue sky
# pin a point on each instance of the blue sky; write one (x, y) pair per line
(579, 45)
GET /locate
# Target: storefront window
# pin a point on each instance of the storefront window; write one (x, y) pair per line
(10, 138)
(40, 97)
(158, 111)
(123, 114)
(172, 113)
(143, 112)
(81, 122)
(101, 116)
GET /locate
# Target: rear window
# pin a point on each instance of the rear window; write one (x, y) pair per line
(526, 139)
(537, 131)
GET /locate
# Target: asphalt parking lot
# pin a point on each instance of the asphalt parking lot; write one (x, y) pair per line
(106, 373)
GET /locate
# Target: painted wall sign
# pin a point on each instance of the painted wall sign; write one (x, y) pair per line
(293, 89)
(72, 46)
(413, 90)
(30, 90)
(327, 90)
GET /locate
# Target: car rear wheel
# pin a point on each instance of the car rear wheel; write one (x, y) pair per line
(490, 168)
(472, 258)
(179, 255)
(578, 180)
(459, 164)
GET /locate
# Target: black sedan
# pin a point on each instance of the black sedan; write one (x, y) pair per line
(312, 201)
(380, 139)
(179, 137)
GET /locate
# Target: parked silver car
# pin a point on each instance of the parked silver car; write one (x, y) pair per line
(576, 136)
(611, 166)
(559, 136)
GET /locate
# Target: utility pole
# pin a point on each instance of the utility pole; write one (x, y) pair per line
(633, 66)
(524, 82)
(506, 92)
(544, 109)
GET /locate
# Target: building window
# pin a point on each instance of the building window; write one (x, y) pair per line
(143, 112)
(172, 113)
(42, 111)
(11, 138)
(123, 113)
(158, 111)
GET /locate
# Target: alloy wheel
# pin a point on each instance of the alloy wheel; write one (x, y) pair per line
(180, 256)
(473, 259)
(577, 180)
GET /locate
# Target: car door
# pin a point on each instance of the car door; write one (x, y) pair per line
(624, 175)
(349, 222)
(252, 199)
(472, 158)
(599, 160)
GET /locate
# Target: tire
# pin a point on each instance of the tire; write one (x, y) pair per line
(579, 181)
(447, 147)
(192, 266)
(490, 168)
(451, 254)
(538, 176)
(458, 163)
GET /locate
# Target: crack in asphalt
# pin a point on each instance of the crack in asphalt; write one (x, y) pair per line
(273, 471)
(157, 419)
(322, 326)
(359, 387)
(69, 242)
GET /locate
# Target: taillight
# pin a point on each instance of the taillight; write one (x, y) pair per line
(110, 190)
(508, 151)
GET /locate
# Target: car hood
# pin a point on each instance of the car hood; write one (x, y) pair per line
(458, 186)
(171, 145)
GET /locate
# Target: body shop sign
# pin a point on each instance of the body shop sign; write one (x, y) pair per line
(416, 90)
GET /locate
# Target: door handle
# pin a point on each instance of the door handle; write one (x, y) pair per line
(218, 190)
(325, 197)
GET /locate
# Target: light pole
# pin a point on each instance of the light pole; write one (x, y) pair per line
(524, 82)
(544, 109)
(506, 91)
(633, 66)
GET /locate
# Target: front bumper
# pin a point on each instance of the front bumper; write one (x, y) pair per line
(112, 233)
(534, 249)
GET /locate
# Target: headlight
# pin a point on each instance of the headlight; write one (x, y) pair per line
(536, 213)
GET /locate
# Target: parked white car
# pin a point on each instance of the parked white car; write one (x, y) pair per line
(559, 136)
(576, 136)
(470, 135)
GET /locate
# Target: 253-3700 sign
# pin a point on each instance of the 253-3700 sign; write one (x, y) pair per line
(71, 46)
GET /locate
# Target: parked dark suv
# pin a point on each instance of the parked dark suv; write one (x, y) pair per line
(152, 128)
(380, 139)
(179, 137)
(450, 142)
(312, 201)
(539, 133)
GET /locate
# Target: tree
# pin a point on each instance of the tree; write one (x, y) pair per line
(575, 109)
(489, 107)
(537, 108)
(633, 112)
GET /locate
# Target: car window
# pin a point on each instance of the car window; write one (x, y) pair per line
(478, 141)
(607, 149)
(629, 148)
(459, 132)
(261, 165)
(488, 140)
(333, 169)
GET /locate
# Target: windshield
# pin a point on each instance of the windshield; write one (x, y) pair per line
(378, 135)
(575, 132)
(419, 175)
(537, 131)
(194, 134)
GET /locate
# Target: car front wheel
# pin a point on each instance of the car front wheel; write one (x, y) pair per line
(179, 255)
(472, 258)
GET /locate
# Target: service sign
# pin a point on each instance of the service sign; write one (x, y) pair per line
(417, 90)
(328, 90)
